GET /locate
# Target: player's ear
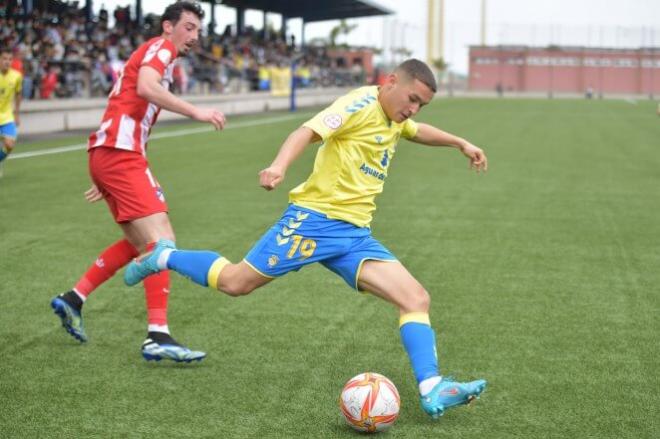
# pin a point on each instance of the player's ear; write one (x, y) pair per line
(168, 26)
(391, 80)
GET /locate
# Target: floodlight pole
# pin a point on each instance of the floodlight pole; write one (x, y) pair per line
(483, 23)
(435, 34)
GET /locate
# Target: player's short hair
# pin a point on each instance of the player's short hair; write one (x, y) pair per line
(6, 49)
(173, 12)
(417, 69)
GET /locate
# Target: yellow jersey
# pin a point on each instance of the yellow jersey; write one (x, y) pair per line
(10, 85)
(351, 165)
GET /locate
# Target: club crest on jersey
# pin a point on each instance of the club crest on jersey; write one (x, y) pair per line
(333, 121)
(164, 56)
(379, 139)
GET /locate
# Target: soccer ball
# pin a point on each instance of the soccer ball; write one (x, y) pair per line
(370, 402)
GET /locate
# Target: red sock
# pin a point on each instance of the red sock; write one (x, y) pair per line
(157, 291)
(112, 259)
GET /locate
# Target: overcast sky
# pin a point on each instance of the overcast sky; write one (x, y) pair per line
(612, 23)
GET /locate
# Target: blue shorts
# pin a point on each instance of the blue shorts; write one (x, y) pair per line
(9, 130)
(303, 236)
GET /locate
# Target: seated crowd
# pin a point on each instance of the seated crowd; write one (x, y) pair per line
(62, 54)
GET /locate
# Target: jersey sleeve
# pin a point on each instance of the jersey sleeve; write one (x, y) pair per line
(410, 128)
(159, 55)
(338, 118)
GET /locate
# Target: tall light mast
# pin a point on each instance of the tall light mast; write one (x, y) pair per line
(435, 36)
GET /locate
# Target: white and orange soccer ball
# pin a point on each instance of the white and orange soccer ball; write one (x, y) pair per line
(370, 402)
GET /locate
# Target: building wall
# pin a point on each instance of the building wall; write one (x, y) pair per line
(565, 69)
(350, 56)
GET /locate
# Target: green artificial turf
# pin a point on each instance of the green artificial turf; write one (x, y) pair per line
(543, 273)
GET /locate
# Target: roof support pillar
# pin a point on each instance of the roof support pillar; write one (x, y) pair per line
(212, 21)
(139, 17)
(240, 20)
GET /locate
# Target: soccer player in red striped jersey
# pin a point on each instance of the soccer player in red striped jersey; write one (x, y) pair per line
(120, 174)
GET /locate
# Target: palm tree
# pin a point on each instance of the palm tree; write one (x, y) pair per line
(342, 28)
(441, 66)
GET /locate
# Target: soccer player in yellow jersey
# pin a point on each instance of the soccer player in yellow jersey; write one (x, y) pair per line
(11, 83)
(329, 216)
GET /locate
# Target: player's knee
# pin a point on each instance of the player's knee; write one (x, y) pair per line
(168, 235)
(419, 300)
(236, 288)
(9, 144)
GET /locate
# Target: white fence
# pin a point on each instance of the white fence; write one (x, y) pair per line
(38, 117)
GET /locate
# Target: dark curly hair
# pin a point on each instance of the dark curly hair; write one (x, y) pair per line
(173, 12)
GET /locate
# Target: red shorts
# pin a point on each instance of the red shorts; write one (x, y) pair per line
(124, 179)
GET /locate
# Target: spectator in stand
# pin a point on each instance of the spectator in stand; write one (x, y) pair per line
(56, 30)
(50, 83)
(264, 77)
(303, 75)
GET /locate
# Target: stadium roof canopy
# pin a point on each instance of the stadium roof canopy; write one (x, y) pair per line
(310, 10)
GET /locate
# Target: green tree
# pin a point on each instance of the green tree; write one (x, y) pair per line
(343, 28)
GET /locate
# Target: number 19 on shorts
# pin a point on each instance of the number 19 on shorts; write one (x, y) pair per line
(304, 246)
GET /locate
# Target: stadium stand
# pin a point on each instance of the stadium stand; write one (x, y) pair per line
(62, 54)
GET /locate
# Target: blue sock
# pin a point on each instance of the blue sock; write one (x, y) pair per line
(3, 154)
(193, 264)
(419, 341)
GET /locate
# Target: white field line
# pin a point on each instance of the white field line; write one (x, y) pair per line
(77, 147)
(631, 101)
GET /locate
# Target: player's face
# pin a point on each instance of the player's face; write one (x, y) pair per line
(405, 97)
(5, 61)
(185, 33)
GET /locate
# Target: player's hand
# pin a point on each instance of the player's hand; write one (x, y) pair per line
(214, 117)
(478, 159)
(93, 194)
(270, 177)
(17, 120)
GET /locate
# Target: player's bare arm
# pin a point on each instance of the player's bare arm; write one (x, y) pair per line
(149, 87)
(17, 109)
(291, 149)
(432, 136)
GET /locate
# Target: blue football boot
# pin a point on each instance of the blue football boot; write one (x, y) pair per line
(138, 269)
(449, 393)
(153, 350)
(71, 318)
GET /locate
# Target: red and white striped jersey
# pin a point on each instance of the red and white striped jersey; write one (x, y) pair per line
(128, 118)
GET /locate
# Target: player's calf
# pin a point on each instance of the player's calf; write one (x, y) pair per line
(202, 267)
